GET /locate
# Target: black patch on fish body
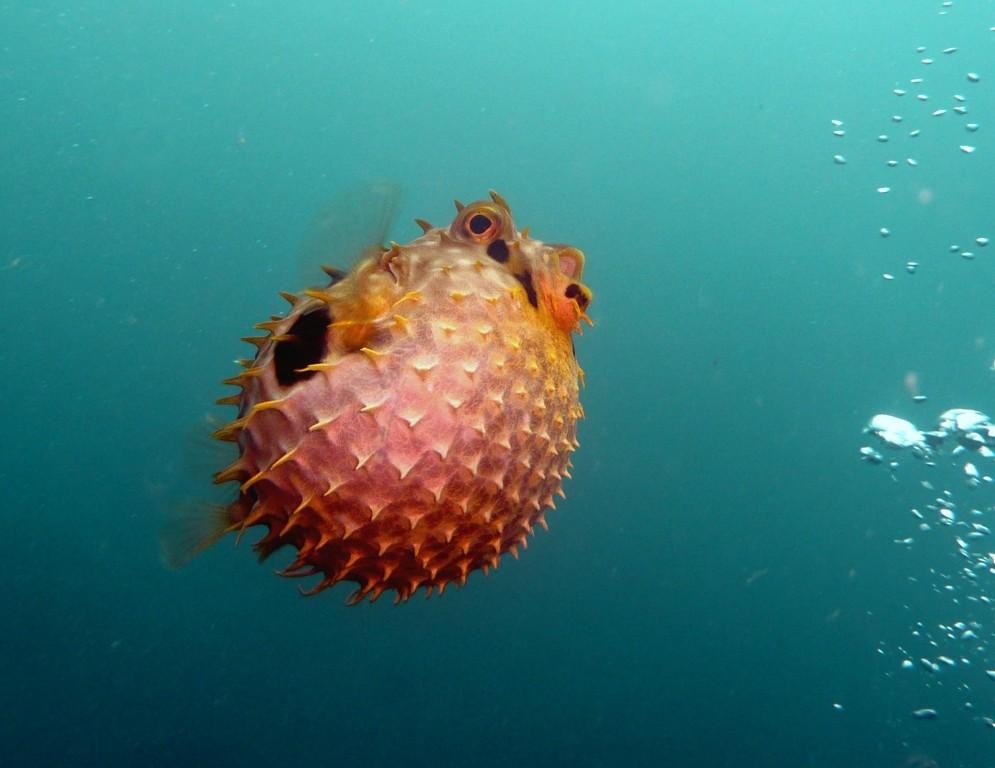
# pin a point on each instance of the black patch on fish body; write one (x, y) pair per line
(574, 292)
(306, 346)
(525, 278)
(498, 250)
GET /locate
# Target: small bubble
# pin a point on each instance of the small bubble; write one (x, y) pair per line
(884, 232)
(967, 149)
(973, 77)
(839, 159)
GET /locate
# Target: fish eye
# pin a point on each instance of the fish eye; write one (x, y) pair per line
(482, 226)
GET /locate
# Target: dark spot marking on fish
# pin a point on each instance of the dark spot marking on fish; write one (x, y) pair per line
(525, 278)
(479, 223)
(498, 250)
(305, 347)
(574, 292)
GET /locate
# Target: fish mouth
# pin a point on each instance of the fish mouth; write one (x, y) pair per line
(568, 297)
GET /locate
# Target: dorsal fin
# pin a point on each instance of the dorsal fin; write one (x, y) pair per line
(350, 226)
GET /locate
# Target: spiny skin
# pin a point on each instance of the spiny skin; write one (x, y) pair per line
(428, 421)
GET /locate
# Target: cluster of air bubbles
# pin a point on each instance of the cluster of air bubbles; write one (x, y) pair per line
(968, 253)
(924, 105)
(964, 430)
(928, 136)
(957, 654)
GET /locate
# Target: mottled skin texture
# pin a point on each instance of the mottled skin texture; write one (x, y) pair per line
(429, 420)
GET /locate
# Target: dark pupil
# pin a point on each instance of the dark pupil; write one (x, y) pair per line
(479, 224)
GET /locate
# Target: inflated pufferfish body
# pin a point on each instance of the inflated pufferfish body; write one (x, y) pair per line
(412, 421)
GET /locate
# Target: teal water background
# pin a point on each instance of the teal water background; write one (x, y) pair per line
(722, 571)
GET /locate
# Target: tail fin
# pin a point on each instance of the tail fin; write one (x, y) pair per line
(189, 530)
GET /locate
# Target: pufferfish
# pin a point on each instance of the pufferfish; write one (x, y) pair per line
(410, 422)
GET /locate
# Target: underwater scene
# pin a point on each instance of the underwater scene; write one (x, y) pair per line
(670, 443)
